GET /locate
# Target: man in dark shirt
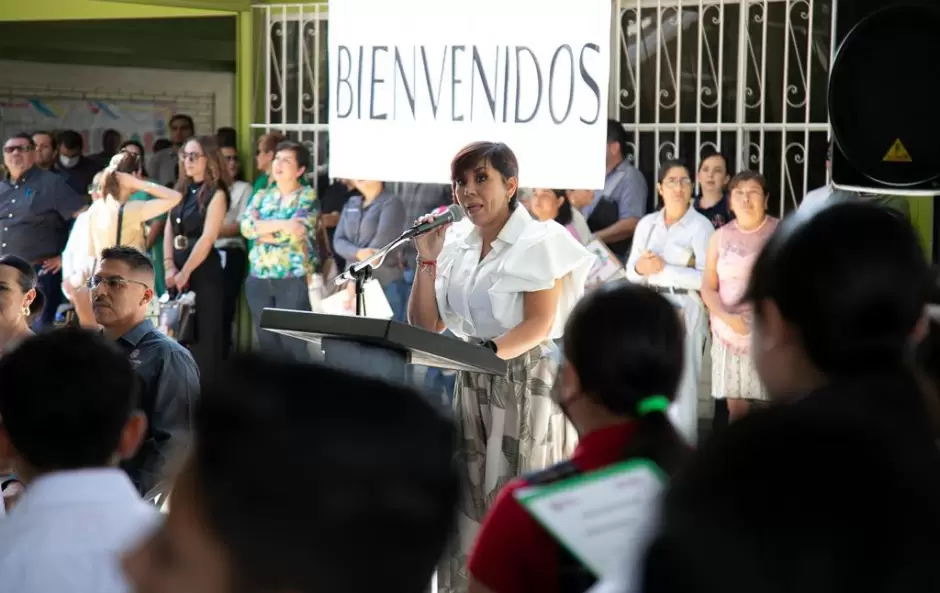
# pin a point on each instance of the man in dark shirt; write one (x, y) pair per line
(122, 289)
(79, 169)
(110, 144)
(36, 212)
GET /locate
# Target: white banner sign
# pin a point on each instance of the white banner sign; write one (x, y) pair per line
(413, 81)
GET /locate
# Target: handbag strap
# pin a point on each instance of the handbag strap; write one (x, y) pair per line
(324, 236)
(120, 224)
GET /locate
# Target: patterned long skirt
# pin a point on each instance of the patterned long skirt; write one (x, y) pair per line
(507, 426)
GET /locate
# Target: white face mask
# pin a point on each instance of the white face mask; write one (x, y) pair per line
(68, 161)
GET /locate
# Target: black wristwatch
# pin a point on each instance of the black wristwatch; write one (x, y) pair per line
(490, 344)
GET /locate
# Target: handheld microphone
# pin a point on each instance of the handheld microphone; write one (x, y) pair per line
(448, 215)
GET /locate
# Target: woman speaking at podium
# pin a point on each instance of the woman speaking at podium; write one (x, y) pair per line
(504, 280)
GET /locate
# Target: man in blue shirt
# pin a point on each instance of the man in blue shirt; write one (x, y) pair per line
(121, 291)
(615, 211)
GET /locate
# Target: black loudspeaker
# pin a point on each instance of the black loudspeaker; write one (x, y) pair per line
(883, 97)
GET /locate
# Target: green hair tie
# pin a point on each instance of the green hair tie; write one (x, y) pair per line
(653, 403)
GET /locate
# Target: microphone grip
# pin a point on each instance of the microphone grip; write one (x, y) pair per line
(431, 225)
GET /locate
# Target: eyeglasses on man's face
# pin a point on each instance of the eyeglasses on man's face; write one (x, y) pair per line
(22, 148)
(112, 282)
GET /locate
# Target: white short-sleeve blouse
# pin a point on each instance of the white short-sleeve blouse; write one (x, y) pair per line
(484, 299)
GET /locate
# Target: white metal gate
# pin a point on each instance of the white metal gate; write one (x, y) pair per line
(747, 77)
(291, 73)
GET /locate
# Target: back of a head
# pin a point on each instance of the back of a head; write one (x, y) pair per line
(852, 279)
(799, 503)
(625, 343)
(122, 162)
(359, 469)
(73, 417)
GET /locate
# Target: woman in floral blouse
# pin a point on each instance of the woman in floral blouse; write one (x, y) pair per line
(281, 222)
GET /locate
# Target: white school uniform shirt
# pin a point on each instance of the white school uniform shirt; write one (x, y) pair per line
(688, 237)
(676, 245)
(484, 299)
(68, 531)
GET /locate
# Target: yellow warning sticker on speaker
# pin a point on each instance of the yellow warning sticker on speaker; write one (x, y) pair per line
(898, 154)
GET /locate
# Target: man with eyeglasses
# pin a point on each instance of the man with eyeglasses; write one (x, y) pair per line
(37, 209)
(121, 290)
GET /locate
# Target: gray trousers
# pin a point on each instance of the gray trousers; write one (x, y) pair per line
(280, 293)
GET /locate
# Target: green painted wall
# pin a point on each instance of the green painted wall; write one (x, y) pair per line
(220, 5)
(69, 10)
(205, 44)
(922, 218)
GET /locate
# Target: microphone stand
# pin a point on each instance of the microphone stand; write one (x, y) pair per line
(362, 276)
(361, 272)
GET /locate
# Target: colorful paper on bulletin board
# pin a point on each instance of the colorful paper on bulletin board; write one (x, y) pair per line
(145, 121)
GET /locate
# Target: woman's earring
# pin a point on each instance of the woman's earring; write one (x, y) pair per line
(26, 311)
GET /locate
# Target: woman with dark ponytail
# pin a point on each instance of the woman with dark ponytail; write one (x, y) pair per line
(20, 301)
(623, 347)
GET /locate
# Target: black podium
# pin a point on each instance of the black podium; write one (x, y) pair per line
(379, 347)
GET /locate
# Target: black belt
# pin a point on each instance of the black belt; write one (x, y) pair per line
(670, 290)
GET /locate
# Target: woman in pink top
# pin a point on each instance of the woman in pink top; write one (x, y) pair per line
(731, 254)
